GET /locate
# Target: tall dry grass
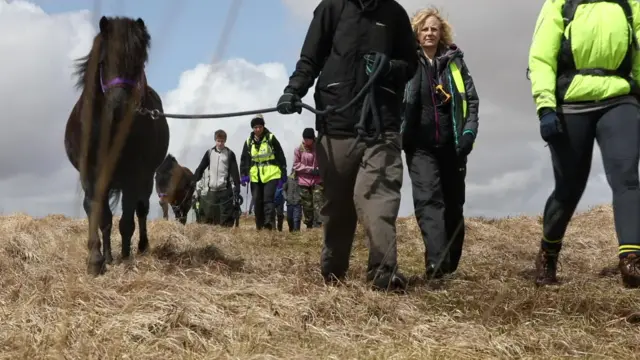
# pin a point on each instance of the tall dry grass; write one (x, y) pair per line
(206, 292)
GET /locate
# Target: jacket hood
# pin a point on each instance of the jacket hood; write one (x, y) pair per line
(449, 52)
(444, 55)
(313, 145)
(368, 5)
(264, 133)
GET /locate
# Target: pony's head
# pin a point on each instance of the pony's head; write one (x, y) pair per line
(164, 172)
(115, 64)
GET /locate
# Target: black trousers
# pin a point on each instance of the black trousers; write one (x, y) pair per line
(264, 207)
(438, 185)
(617, 131)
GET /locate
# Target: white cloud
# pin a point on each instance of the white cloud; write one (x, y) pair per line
(36, 95)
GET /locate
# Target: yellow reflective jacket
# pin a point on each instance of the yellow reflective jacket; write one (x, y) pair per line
(600, 37)
(263, 161)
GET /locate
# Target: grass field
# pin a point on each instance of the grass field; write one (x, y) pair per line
(205, 292)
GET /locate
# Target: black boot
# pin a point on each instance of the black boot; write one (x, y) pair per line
(386, 280)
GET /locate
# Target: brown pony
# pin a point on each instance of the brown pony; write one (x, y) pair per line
(111, 138)
(173, 185)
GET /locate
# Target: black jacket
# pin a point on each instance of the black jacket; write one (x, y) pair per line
(426, 125)
(340, 34)
(245, 156)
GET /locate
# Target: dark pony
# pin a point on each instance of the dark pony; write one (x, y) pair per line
(111, 137)
(173, 185)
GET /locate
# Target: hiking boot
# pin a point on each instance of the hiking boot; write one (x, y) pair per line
(384, 280)
(630, 270)
(546, 268)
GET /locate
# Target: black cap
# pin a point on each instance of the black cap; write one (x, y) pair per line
(309, 133)
(257, 120)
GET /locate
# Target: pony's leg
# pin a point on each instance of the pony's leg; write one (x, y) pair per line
(127, 224)
(105, 226)
(142, 210)
(183, 215)
(165, 209)
(95, 260)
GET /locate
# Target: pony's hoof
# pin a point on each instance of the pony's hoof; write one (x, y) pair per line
(96, 268)
(143, 250)
(108, 259)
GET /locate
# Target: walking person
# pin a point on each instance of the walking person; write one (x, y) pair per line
(291, 192)
(343, 37)
(279, 206)
(305, 164)
(202, 187)
(264, 166)
(440, 127)
(578, 105)
(224, 182)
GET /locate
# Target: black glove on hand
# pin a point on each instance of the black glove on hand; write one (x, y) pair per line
(315, 172)
(370, 60)
(465, 145)
(550, 126)
(289, 103)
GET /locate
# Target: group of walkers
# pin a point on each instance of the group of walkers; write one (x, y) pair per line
(263, 167)
(427, 106)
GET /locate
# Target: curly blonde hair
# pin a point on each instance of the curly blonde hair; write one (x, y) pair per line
(446, 31)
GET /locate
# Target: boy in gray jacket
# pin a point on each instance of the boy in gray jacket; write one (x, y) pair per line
(291, 193)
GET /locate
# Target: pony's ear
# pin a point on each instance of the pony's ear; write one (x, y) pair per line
(104, 24)
(140, 22)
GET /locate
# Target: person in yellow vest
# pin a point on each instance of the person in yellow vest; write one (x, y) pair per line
(439, 129)
(264, 166)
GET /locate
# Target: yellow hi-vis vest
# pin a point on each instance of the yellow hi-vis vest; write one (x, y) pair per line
(459, 84)
(263, 165)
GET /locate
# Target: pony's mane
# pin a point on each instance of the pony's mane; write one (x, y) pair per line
(134, 42)
(167, 165)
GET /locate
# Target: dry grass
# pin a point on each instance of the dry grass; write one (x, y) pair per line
(218, 294)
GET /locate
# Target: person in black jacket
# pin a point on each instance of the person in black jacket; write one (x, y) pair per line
(440, 127)
(365, 184)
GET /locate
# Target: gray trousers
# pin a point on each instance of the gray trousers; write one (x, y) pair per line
(363, 186)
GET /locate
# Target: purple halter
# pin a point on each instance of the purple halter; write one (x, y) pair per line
(115, 82)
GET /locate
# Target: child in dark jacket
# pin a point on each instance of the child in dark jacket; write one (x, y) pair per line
(291, 193)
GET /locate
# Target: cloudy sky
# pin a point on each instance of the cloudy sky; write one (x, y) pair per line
(509, 170)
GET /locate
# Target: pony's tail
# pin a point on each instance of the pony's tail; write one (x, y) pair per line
(114, 199)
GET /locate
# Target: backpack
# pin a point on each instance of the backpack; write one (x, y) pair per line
(566, 64)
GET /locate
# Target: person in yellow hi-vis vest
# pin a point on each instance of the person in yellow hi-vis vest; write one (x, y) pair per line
(439, 129)
(264, 165)
(585, 75)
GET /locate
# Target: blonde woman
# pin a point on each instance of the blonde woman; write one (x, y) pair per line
(440, 127)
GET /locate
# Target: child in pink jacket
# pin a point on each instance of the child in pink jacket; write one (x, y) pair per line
(306, 167)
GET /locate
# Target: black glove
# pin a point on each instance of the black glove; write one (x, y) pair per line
(369, 61)
(315, 172)
(550, 126)
(465, 145)
(289, 103)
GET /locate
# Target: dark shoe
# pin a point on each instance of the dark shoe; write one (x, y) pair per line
(630, 271)
(385, 280)
(546, 268)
